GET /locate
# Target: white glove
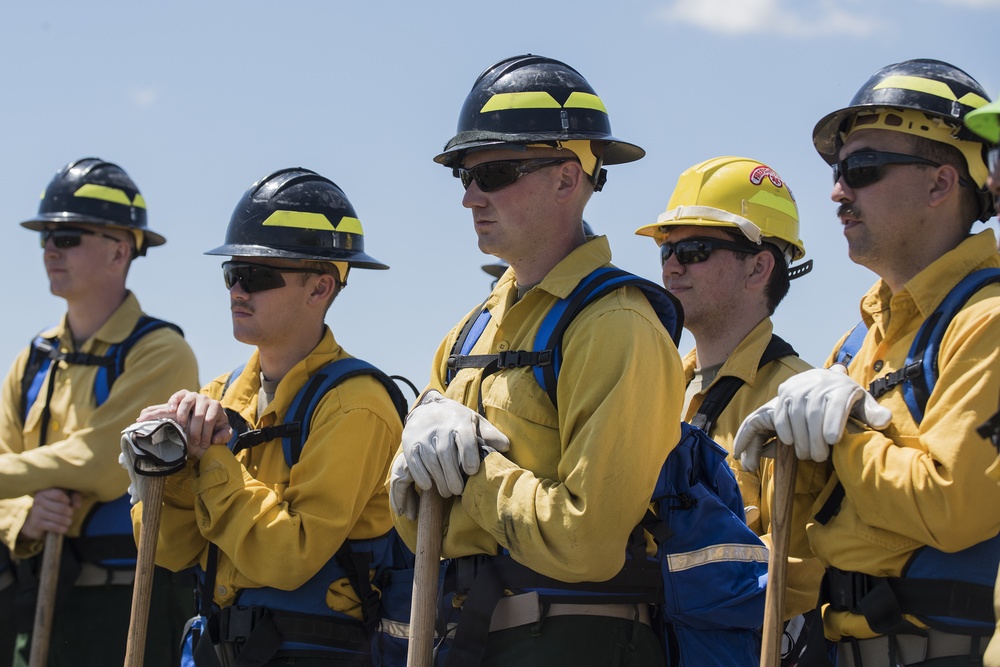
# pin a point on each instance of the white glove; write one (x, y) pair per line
(442, 442)
(809, 412)
(402, 493)
(151, 449)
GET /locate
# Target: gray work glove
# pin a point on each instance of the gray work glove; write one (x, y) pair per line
(403, 496)
(444, 442)
(810, 412)
(151, 449)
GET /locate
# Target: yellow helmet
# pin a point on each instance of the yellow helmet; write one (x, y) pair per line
(733, 192)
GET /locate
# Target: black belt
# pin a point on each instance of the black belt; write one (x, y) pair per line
(260, 631)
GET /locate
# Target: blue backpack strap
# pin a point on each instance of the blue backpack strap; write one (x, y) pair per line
(305, 402)
(851, 344)
(39, 360)
(107, 374)
(466, 340)
(595, 285)
(917, 387)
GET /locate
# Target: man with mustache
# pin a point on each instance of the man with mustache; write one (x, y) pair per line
(907, 523)
(268, 515)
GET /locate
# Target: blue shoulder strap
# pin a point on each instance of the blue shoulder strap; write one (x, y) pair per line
(851, 344)
(305, 402)
(595, 285)
(110, 365)
(917, 387)
(107, 374)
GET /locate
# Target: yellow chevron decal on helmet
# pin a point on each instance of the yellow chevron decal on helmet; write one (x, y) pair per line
(104, 193)
(535, 99)
(931, 87)
(580, 100)
(305, 220)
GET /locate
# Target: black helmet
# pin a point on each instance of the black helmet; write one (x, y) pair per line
(94, 192)
(940, 91)
(532, 99)
(297, 214)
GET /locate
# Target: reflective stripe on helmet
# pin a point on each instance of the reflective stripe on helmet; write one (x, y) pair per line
(105, 193)
(539, 99)
(931, 87)
(304, 220)
(749, 229)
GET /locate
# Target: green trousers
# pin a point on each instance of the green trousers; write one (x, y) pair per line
(575, 640)
(91, 628)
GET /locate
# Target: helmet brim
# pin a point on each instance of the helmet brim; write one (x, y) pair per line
(39, 223)
(354, 259)
(614, 151)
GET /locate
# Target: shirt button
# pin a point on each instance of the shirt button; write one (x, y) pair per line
(502, 346)
(878, 365)
(222, 590)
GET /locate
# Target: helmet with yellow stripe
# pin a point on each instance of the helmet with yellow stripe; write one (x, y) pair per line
(297, 214)
(91, 191)
(924, 98)
(533, 100)
(735, 192)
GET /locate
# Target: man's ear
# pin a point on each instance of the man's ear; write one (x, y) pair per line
(945, 183)
(761, 266)
(571, 177)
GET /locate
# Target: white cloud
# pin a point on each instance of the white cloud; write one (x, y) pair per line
(144, 97)
(781, 17)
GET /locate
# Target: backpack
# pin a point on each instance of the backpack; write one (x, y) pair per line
(289, 617)
(106, 535)
(708, 576)
(963, 605)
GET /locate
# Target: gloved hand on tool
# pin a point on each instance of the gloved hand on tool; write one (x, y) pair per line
(810, 412)
(443, 443)
(151, 449)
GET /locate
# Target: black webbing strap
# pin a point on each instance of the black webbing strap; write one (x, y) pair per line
(832, 505)
(721, 393)
(259, 436)
(884, 600)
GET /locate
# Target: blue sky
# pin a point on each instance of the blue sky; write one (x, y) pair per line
(197, 100)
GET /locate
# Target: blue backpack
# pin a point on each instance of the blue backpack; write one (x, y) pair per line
(707, 579)
(299, 622)
(963, 605)
(106, 536)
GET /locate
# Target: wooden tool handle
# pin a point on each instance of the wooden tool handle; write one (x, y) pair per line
(48, 582)
(142, 592)
(425, 580)
(777, 565)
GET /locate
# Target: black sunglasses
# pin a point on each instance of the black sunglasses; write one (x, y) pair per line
(258, 277)
(491, 176)
(861, 169)
(698, 249)
(70, 237)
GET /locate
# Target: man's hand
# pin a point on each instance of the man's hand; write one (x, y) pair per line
(51, 512)
(442, 442)
(150, 449)
(810, 412)
(202, 419)
(402, 493)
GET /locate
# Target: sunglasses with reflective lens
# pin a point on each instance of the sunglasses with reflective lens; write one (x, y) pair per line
(861, 169)
(699, 249)
(69, 237)
(258, 277)
(491, 176)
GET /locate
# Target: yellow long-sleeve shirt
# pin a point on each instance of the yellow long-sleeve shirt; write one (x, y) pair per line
(82, 442)
(918, 484)
(277, 526)
(576, 481)
(760, 386)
